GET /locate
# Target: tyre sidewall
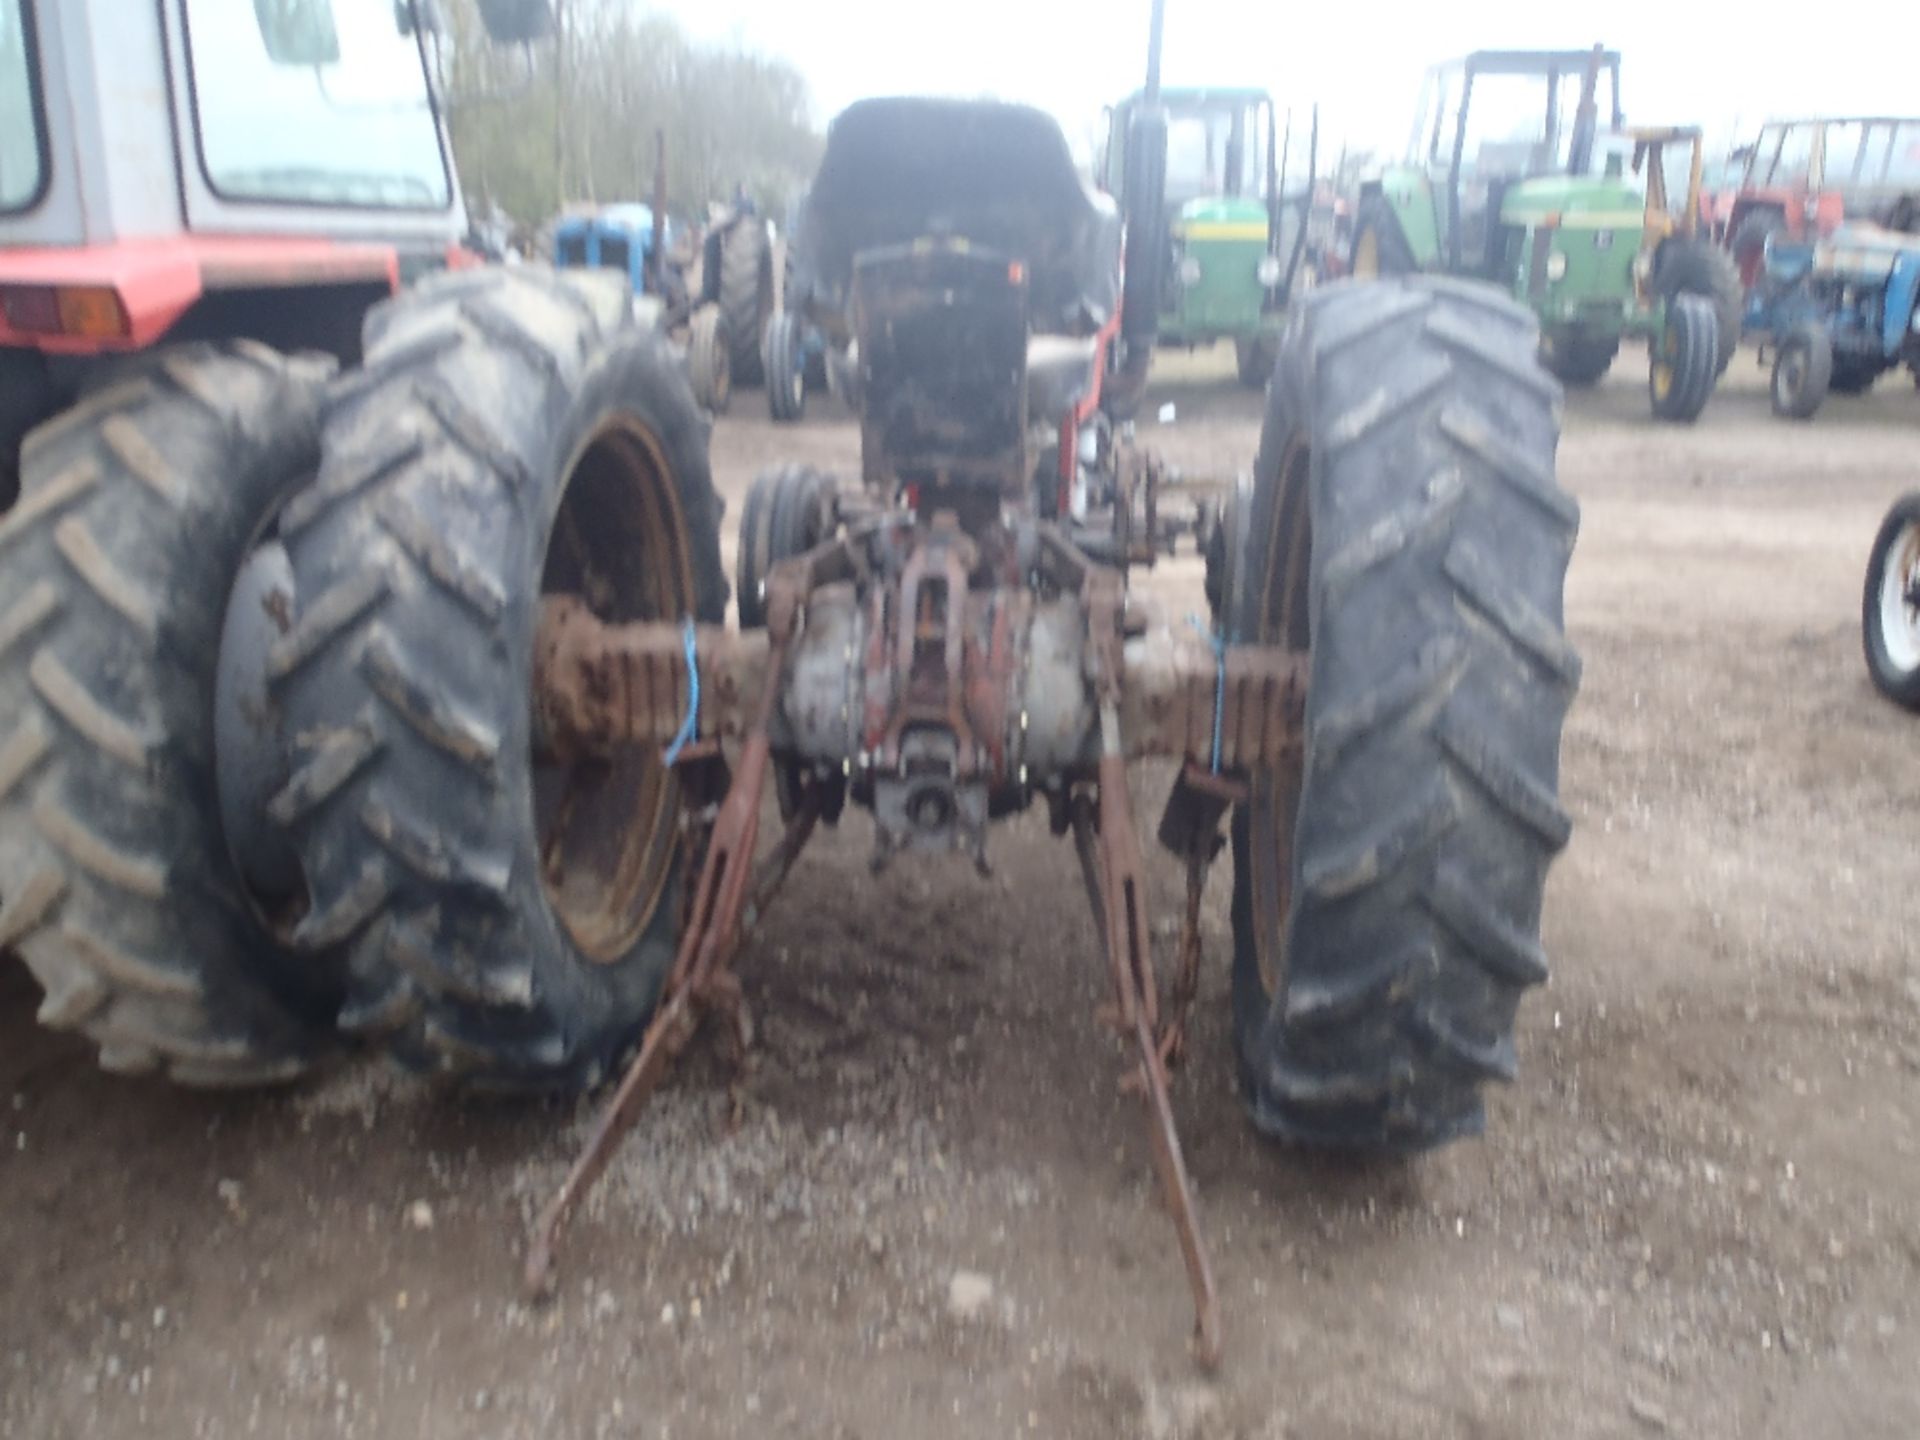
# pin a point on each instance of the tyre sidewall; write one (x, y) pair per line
(1900, 686)
(632, 378)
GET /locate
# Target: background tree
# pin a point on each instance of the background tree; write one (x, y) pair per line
(572, 119)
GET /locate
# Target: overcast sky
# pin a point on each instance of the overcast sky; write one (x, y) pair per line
(1683, 61)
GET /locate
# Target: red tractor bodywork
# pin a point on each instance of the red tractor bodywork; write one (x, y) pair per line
(1807, 176)
(106, 299)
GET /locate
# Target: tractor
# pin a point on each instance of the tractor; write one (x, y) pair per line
(396, 704)
(1838, 314)
(1229, 265)
(1500, 184)
(1802, 178)
(639, 241)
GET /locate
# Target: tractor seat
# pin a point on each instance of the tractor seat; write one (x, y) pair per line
(1059, 371)
(998, 176)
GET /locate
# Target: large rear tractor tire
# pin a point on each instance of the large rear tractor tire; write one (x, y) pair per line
(117, 880)
(1577, 359)
(1405, 528)
(1855, 374)
(1693, 267)
(1380, 249)
(746, 295)
(1748, 247)
(26, 398)
(1890, 611)
(1682, 369)
(510, 913)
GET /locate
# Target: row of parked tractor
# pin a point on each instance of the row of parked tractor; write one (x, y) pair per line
(1521, 171)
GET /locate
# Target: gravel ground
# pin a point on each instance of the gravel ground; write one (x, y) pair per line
(1694, 1215)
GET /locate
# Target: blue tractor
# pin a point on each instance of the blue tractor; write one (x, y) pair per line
(641, 244)
(1840, 313)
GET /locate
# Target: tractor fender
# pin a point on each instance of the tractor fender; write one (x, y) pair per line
(1898, 317)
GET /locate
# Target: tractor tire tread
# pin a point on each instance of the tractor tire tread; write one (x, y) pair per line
(1428, 810)
(138, 506)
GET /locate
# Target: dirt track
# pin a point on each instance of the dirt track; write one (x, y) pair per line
(1697, 1214)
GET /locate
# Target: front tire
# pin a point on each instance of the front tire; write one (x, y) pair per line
(786, 368)
(1802, 372)
(1684, 360)
(510, 914)
(117, 884)
(1405, 528)
(710, 359)
(1890, 610)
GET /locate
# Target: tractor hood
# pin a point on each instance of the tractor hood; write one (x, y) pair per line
(1594, 199)
(1238, 218)
(999, 176)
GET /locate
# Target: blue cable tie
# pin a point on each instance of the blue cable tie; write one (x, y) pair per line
(690, 726)
(1219, 684)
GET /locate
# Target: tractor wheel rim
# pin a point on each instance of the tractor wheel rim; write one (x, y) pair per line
(1366, 255)
(1282, 619)
(1899, 591)
(608, 826)
(1793, 375)
(1666, 362)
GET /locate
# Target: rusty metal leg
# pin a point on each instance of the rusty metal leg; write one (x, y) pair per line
(1112, 854)
(1186, 979)
(698, 981)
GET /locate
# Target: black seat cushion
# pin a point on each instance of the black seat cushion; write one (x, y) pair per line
(998, 175)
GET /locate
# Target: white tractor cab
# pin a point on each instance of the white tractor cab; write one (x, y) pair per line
(209, 170)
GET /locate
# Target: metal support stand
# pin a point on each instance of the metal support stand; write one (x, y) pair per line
(1110, 857)
(730, 898)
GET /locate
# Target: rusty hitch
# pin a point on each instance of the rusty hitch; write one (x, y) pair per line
(891, 669)
(1111, 861)
(729, 900)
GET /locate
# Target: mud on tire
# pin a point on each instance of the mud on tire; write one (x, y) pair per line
(1405, 525)
(116, 883)
(510, 916)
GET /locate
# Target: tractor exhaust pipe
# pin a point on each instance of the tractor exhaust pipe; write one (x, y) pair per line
(656, 254)
(1306, 205)
(1586, 118)
(1155, 25)
(1145, 187)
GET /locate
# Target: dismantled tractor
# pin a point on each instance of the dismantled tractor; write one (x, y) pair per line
(400, 702)
(1375, 713)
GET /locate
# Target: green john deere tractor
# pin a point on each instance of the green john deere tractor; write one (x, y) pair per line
(1231, 255)
(1505, 182)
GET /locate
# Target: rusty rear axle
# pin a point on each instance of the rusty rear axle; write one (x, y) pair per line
(943, 677)
(599, 686)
